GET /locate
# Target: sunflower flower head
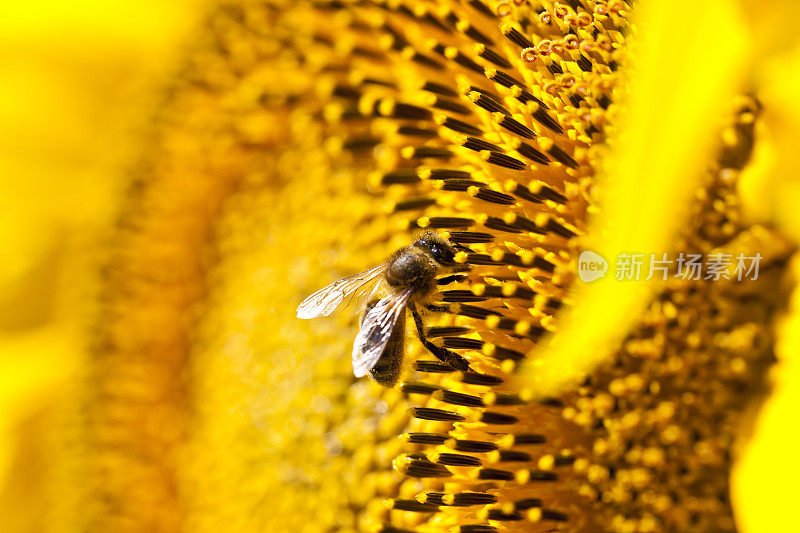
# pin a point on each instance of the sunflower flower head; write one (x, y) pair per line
(307, 141)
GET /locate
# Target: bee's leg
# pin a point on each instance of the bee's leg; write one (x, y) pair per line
(443, 354)
(451, 279)
(437, 308)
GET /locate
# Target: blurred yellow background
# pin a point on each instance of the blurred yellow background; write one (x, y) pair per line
(79, 82)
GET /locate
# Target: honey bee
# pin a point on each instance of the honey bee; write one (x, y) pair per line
(410, 279)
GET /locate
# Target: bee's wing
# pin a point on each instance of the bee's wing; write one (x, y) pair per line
(376, 329)
(337, 295)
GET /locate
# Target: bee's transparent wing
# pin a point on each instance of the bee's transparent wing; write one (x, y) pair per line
(337, 295)
(375, 331)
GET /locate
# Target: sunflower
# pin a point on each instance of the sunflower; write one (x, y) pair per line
(303, 142)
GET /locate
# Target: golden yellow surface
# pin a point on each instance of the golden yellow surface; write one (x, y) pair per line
(205, 429)
(79, 82)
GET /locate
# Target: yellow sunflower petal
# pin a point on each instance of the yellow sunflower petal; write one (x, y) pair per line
(680, 91)
(771, 184)
(765, 477)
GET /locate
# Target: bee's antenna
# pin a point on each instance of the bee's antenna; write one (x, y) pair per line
(463, 248)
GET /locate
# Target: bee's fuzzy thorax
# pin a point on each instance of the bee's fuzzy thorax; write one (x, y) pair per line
(412, 267)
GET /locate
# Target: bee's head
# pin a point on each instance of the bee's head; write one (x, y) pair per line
(439, 248)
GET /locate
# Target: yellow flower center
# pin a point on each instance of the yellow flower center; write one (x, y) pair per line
(308, 142)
